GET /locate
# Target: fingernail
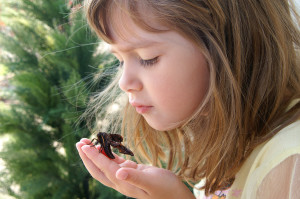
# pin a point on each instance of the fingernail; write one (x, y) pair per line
(122, 175)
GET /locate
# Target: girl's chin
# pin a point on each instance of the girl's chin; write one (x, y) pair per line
(161, 127)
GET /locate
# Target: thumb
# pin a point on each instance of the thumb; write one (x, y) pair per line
(159, 182)
(144, 179)
(135, 177)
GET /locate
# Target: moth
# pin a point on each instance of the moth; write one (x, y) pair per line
(107, 140)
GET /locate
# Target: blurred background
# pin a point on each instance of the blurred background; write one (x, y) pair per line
(49, 60)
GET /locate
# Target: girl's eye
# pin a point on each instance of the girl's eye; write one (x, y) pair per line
(148, 62)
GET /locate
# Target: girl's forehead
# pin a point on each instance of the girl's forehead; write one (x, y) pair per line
(127, 46)
(123, 27)
(127, 35)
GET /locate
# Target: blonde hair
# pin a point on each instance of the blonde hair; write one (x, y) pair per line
(252, 51)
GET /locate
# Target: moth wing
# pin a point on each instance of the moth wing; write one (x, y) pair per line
(116, 137)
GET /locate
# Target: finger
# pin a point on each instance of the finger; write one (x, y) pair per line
(132, 176)
(102, 162)
(117, 159)
(146, 179)
(92, 168)
(155, 182)
(109, 168)
(123, 187)
(86, 141)
(129, 163)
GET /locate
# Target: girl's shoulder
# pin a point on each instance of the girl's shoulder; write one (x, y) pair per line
(266, 157)
(262, 160)
(286, 141)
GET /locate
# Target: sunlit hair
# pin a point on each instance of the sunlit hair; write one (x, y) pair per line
(252, 51)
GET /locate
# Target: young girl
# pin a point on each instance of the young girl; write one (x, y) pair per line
(213, 95)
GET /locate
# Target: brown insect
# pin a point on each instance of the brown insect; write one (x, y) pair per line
(106, 140)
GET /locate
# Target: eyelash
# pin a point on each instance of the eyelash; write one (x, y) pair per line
(148, 62)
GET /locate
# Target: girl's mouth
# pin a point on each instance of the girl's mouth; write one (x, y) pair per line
(142, 109)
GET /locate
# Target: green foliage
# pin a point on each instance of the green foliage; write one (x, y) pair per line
(48, 48)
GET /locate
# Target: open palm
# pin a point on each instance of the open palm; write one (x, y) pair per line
(131, 179)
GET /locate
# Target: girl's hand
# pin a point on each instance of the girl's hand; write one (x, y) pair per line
(131, 179)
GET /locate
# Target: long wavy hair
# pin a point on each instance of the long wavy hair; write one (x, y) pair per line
(252, 49)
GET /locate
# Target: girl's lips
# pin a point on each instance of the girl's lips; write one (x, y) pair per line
(142, 109)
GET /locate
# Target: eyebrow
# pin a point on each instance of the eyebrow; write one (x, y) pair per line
(140, 45)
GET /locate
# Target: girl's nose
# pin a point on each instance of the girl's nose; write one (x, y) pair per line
(130, 81)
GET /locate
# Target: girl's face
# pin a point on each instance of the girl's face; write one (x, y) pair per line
(164, 74)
